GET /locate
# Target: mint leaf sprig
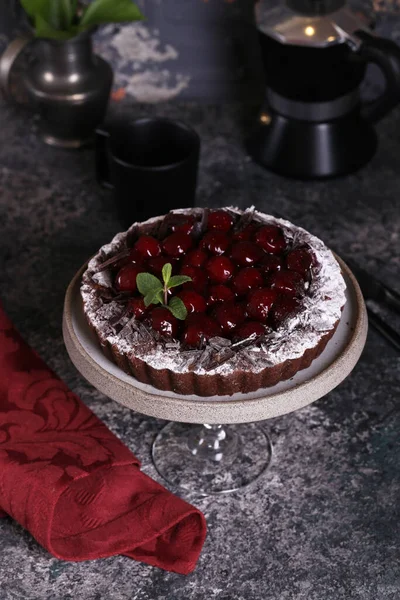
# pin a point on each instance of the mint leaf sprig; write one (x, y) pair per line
(155, 291)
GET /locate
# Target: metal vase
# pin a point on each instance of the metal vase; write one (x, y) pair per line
(70, 87)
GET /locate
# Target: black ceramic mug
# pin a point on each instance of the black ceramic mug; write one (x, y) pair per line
(151, 164)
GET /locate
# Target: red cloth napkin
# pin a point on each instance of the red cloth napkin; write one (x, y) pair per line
(70, 482)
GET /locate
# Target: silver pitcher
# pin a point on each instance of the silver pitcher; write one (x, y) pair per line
(67, 84)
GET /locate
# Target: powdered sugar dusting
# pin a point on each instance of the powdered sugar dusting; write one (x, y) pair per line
(322, 309)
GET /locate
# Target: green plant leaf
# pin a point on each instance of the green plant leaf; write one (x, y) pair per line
(36, 7)
(148, 283)
(44, 30)
(153, 298)
(177, 308)
(110, 11)
(166, 273)
(178, 280)
(58, 14)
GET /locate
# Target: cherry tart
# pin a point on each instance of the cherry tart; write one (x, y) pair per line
(260, 300)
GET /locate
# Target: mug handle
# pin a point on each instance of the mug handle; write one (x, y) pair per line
(102, 158)
(386, 55)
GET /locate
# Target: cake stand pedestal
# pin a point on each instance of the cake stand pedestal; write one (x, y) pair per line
(211, 458)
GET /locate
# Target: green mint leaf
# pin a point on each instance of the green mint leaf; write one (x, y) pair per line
(153, 298)
(178, 280)
(110, 11)
(166, 273)
(177, 308)
(147, 283)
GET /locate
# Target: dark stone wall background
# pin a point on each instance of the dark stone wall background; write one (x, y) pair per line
(194, 49)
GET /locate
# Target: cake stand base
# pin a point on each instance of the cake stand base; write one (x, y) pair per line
(211, 459)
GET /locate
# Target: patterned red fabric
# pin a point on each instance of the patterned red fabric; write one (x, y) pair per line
(70, 482)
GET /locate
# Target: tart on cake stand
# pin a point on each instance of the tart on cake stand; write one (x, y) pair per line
(208, 457)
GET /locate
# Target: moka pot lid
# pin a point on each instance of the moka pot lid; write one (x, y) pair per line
(313, 23)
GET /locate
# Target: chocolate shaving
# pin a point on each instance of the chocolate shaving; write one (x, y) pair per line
(113, 261)
(245, 219)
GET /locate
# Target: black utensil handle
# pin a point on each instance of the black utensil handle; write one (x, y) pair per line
(384, 329)
(102, 158)
(392, 299)
(386, 55)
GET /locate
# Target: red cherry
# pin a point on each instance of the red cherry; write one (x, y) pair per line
(271, 239)
(247, 279)
(163, 321)
(245, 234)
(156, 264)
(246, 253)
(219, 219)
(199, 278)
(148, 246)
(135, 257)
(229, 315)
(199, 327)
(219, 293)
(215, 242)
(195, 258)
(137, 307)
(285, 307)
(193, 301)
(260, 303)
(249, 329)
(126, 278)
(177, 244)
(299, 260)
(271, 263)
(219, 269)
(182, 224)
(288, 282)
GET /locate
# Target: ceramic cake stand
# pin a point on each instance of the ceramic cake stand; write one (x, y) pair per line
(209, 458)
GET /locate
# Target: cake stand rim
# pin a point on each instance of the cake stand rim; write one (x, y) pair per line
(219, 411)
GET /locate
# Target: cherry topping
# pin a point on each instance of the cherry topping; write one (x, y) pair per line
(199, 327)
(156, 264)
(271, 239)
(177, 244)
(216, 242)
(299, 260)
(195, 258)
(229, 316)
(219, 269)
(126, 278)
(260, 303)
(271, 263)
(163, 321)
(135, 257)
(247, 279)
(182, 224)
(138, 308)
(245, 234)
(220, 293)
(246, 253)
(285, 307)
(148, 246)
(193, 301)
(288, 282)
(198, 276)
(219, 219)
(249, 329)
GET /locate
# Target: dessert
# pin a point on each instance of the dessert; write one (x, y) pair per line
(241, 301)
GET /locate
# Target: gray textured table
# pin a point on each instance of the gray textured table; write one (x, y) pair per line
(324, 523)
